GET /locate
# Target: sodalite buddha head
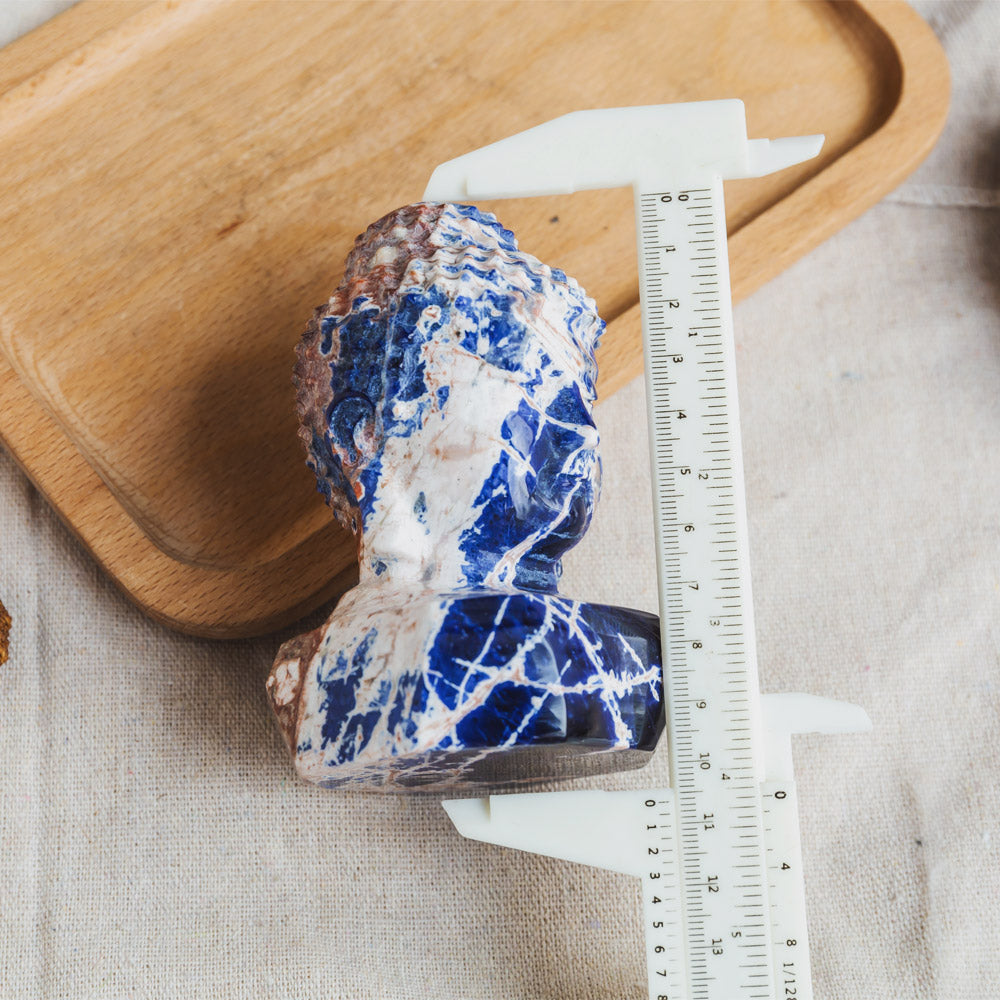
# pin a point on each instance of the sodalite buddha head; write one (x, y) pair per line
(445, 398)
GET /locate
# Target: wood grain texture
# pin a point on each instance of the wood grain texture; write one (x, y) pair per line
(180, 183)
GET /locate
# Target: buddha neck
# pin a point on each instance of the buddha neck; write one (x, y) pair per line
(409, 559)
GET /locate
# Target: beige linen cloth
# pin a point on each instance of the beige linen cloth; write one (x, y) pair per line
(155, 843)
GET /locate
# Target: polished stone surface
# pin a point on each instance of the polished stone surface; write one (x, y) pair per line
(445, 395)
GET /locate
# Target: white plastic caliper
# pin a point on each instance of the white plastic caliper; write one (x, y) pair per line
(718, 851)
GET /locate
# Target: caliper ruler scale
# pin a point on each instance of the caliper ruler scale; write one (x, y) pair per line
(717, 851)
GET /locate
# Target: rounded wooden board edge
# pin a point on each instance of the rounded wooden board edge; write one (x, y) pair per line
(874, 167)
(774, 240)
(239, 603)
(61, 36)
(223, 604)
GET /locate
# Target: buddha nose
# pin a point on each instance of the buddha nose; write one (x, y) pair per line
(588, 432)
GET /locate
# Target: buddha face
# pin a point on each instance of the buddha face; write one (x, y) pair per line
(446, 396)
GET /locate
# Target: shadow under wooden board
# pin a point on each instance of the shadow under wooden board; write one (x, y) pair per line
(180, 184)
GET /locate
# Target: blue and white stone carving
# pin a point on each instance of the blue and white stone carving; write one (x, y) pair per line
(445, 397)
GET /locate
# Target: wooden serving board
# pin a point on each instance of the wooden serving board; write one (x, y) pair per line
(180, 183)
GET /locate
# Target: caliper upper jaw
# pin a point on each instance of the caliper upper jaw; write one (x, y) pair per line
(618, 147)
(786, 714)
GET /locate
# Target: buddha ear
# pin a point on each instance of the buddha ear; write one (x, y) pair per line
(352, 429)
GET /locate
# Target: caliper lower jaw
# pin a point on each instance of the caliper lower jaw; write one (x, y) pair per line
(595, 827)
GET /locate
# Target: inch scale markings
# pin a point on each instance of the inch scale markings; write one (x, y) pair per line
(714, 777)
(718, 851)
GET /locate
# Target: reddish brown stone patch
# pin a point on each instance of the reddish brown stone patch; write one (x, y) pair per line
(5, 623)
